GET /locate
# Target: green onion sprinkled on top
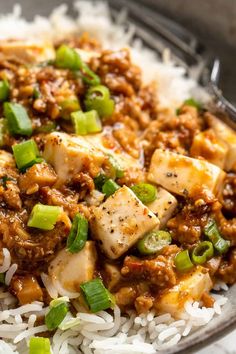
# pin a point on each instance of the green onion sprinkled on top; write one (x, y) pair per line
(18, 120)
(44, 217)
(146, 192)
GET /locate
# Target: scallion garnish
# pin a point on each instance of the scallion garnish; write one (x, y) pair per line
(86, 123)
(146, 192)
(56, 315)
(154, 242)
(39, 345)
(97, 296)
(212, 232)
(78, 234)
(118, 170)
(59, 300)
(69, 106)
(98, 98)
(18, 120)
(99, 181)
(3, 130)
(202, 252)
(46, 128)
(26, 154)
(44, 217)
(67, 58)
(4, 90)
(183, 262)
(110, 187)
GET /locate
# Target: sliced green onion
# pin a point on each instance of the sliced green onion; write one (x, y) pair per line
(26, 154)
(212, 232)
(94, 124)
(118, 170)
(80, 123)
(69, 323)
(18, 120)
(99, 181)
(2, 278)
(3, 131)
(69, 106)
(36, 93)
(67, 58)
(89, 76)
(146, 192)
(98, 98)
(59, 300)
(4, 90)
(39, 345)
(44, 217)
(202, 252)
(110, 187)
(46, 128)
(154, 242)
(97, 296)
(56, 315)
(78, 234)
(86, 123)
(183, 262)
(192, 102)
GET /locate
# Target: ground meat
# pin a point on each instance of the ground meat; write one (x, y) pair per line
(227, 269)
(143, 303)
(187, 226)
(172, 132)
(229, 195)
(26, 289)
(158, 271)
(29, 247)
(227, 227)
(35, 177)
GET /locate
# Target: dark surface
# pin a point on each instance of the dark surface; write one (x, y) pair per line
(214, 22)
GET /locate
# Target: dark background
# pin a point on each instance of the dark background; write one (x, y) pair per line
(213, 21)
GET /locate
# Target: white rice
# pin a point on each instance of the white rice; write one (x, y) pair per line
(101, 333)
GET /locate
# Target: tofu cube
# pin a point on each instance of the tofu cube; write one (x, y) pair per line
(228, 136)
(120, 222)
(163, 206)
(72, 154)
(191, 287)
(184, 175)
(207, 145)
(72, 269)
(27, 51)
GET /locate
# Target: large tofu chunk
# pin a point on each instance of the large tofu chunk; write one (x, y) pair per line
(120, 222)
(71, 154)
(184, 175)
(228, 136)
(163, 206)
(190, 288)
(207, 145)
(27, 51)
(72, 269)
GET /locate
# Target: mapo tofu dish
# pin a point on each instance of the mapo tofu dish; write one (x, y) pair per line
(106, 199)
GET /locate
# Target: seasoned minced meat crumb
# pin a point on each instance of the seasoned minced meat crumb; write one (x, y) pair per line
(227, 269)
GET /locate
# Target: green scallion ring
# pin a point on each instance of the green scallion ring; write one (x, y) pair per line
(154, 242)
(56, 315)
(212, 232)
(110, 187)
(183, 262)
(146, 192)
(78, 234)
(202, 252)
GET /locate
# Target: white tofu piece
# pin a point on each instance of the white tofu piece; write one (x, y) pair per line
(6, 159)
(87, 55)
(184, 175)
(72, 269)
(163, 206)
(120, 222)
(207, 145)
(228, 135)
(71, 154)
(110, 146)
(190, 288)
(113, 275)
(27, 51)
